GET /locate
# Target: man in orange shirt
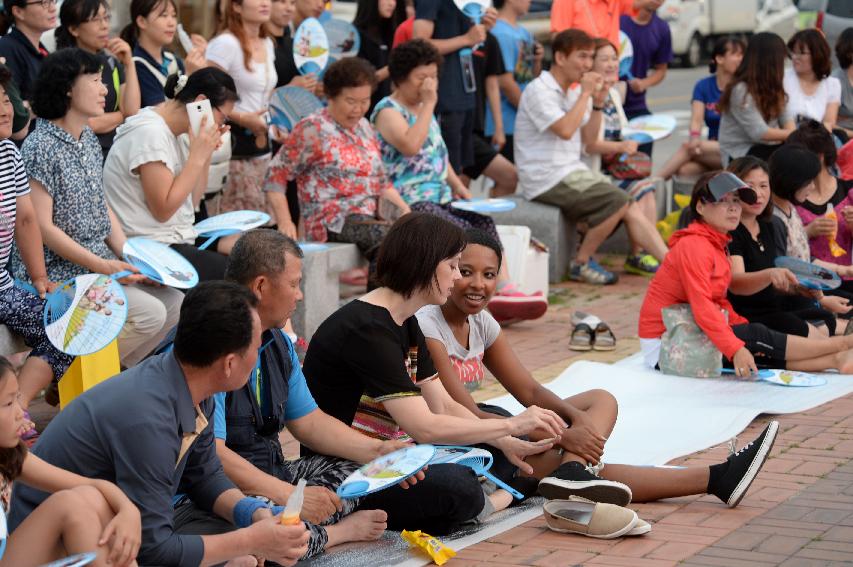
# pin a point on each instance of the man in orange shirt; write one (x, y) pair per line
(598, 18)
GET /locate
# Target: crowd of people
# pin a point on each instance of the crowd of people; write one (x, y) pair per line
(96, 147)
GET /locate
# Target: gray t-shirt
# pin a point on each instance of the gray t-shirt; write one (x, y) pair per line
(468, 362)
(845, 112)
(742, 126)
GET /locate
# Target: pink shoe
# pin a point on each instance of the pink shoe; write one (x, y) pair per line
(354, 277)
(510, 305)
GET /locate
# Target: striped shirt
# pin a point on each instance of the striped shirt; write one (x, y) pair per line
(13, 184)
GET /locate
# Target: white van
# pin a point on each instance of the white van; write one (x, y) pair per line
(695, 24)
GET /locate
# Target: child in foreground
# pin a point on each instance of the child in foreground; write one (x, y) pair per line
(82, 515)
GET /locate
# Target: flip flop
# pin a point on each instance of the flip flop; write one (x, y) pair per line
(604, 338)
(582, 338)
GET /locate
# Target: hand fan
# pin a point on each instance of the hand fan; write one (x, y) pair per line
(478, 460)
(809, 275)
(158, 262)
(309, 247)
(474, 9)
(77, 560)
(386, 471)
(485, 206)
(344, 39)
(83, 314)
(626, 56)
(310, 47)
(658, 126)
(790, 378)
(289, 105)
(229, 223)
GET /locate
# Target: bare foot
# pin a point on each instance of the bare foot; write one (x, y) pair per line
(364, 525)
(845, 362)
(501, 499)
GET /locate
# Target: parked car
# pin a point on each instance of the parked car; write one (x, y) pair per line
(695, 24)
(831, 16)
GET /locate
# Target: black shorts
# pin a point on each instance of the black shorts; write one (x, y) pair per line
(769, 347)
(457, 129)
(484, 153)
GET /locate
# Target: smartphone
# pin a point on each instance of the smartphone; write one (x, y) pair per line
(196, 110)
(184, 39)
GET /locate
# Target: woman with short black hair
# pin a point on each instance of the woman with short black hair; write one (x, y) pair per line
(86, 24)
(81, 233)
(812, 92)
(376, 22)
(153, 186)
(334, 157)
(368, 366)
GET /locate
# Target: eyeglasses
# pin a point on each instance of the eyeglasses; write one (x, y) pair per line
(44, 3)
(105, 19)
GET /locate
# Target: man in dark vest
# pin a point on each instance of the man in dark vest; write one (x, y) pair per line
(247, 421)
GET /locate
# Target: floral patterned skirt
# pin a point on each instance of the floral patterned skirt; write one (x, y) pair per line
(244, 189)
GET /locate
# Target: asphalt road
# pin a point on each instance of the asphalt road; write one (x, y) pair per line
(673, 97)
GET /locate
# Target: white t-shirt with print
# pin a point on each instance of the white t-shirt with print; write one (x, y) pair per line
(468, 362)
(814, 106)
(544, 158)
(254, 87)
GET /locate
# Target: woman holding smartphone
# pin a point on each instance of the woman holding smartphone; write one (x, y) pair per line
(149, 185)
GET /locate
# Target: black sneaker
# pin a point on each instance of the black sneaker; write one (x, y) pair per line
(744, 466)
(574, 479)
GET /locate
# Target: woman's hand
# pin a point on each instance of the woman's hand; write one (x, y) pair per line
(288, 229)
(498, 139)
(744, 363)
(535, 417)
(847, 213)
(783, 279)
(583, 439)
(125, 531)
(121, 50)
(821, 226)
(693, 146)
(836, 304)
(517, 450)
(307, 82)
(429, 91)
(629, 147)
(110, 267)
(462, 192)
(206, 142)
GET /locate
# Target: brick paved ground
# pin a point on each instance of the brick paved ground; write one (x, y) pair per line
(799, 512)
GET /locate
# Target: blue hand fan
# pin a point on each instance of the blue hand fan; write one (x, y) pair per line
(229, 223)
(84, 314)
(309, 247)
(310, 47)
(810, 275)
(485, 206)
(657, 126)
(158, 262)
(478, 460)
(344, 39)
(626, 56)
(77, 560)
(385, 471)
(789, 378)
(289, 105)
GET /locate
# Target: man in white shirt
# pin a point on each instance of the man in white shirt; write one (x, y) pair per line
(558, 110)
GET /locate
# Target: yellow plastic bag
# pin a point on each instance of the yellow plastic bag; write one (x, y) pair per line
(834, 248)
(439, 552)
(87, 371)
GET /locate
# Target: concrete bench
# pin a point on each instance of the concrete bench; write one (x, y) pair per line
(10, 343)
(320, 285)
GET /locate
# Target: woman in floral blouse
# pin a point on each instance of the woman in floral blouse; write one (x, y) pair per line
(333, 155)
(81, 233)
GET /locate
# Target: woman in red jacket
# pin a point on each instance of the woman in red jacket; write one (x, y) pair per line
(697, 271)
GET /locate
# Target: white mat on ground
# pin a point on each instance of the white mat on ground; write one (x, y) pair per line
(663, 417)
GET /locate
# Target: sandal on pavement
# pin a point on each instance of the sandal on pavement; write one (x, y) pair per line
(604, 339)
(592, 519)
(582, 338)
